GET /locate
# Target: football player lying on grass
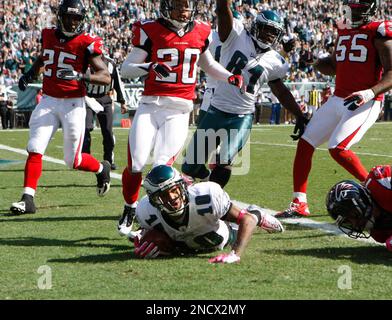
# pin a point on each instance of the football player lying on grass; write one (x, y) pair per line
(200, 217)
(364, 210)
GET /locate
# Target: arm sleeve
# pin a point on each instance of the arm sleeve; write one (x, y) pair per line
(134, 66)
(118, 86)
(213, 68)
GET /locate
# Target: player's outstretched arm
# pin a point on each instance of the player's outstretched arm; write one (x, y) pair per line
(26, 78)
(215, 70)
(285, 97)
(225, 19)
(247, 224)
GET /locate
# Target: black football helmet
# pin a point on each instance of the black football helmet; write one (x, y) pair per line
(267, 29)
(70, 17)
(359, 12)
(350, 205)
(169, 8)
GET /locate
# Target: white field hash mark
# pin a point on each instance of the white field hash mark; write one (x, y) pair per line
(304, 222)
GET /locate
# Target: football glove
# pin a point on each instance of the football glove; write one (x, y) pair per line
(161, 69)
(236, 80)
(357, 99)
(68, 74)
(145, 250)
(225, 258)
(24, 81)
(299, 129)
(288, 44)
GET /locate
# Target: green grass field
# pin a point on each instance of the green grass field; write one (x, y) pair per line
(74, 233)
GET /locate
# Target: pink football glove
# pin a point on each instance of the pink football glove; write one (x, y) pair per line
(161, 69)
(225, 258)
(145, 250)
(388, 244)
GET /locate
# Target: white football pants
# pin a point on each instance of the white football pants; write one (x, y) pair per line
(47, 117)
(158, 129)
(334, 123)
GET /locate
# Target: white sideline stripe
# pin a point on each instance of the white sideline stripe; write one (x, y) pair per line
(323, 149)
(305, 222)
(49, 159)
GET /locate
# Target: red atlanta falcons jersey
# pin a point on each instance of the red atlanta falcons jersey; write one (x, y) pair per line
(180, 52)
(358, 66)
(66, 54)
(379, 183)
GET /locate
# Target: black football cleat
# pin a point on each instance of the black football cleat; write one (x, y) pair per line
(103, 179)
(24, 206)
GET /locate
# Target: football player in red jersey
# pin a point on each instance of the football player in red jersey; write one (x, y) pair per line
(66, 53)
(166, 51)
(364, 210)
(362, 63)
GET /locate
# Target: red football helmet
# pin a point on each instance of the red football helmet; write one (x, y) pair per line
(358, 12)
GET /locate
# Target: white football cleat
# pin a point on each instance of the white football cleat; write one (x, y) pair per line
(267, 222)
(125, 223)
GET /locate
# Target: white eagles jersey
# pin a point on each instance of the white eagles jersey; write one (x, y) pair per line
(203, 227)
(238, 55)
(215, 49)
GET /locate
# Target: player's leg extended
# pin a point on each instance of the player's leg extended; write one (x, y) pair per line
(203, 142)
(43, 124)
(318, 131)
(352, 127)
(72, 117)
(233, 135)
(140, 141)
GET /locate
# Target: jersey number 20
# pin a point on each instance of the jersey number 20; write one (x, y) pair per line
(172, 57)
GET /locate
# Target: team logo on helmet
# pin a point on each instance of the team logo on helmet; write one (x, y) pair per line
(350, 205)
(70, 17)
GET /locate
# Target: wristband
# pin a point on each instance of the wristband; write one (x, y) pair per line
(241, 215)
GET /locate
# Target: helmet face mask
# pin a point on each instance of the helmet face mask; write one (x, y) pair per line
(358, 12)
(267, 29)
(178, 12)
(71, 15)
(351, 206)
(167, 191)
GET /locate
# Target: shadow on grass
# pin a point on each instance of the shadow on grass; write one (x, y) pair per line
(44, 242)
(33, 218)
(361, 255)
(127, 254)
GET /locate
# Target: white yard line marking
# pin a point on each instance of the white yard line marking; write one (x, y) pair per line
(305, 222)
(323, 149)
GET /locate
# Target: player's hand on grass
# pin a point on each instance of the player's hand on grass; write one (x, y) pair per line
(225, 258)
